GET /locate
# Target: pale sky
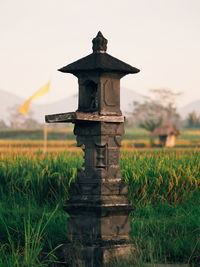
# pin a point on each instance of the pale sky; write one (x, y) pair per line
(160, 37)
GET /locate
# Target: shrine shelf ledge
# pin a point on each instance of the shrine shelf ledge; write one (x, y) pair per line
(81, 116)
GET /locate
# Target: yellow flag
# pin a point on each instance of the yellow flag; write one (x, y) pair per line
(24, 109)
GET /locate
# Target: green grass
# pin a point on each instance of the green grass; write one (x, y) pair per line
(164, 188)
(30, 234)
(161, 176)
(167, 233)
(35, 134)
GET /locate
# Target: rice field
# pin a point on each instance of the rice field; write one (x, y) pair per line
(33, 146)
(164, 187)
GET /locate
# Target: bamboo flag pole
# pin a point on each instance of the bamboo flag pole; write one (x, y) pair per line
(45, 131)
(24, 108)
(45, 138)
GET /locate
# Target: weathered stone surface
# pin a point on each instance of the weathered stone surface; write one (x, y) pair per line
(90, 186)
(166, 265)
(99, 62)
(99, 43)
(100, 142)
(98, 224)
(95, 227)
(99, 129)
(81, 116)
(97, 255)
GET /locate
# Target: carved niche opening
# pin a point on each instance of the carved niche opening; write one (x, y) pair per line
(88, 97)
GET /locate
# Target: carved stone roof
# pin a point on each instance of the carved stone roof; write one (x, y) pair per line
(99, 60)
(165, 130)
(99, 43)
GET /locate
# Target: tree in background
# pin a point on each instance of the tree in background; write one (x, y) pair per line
(193, 120)
(30, 123)
(18, 120)
(150, 125)
(3, 125)
(159, 107)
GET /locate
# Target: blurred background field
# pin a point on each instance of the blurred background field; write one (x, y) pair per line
(22, 131)
(31, 140)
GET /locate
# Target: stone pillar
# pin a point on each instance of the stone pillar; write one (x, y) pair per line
(98, 226)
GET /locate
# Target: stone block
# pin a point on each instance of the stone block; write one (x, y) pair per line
(91, 227)
(92, 186)
(98, 255)
(113, 156)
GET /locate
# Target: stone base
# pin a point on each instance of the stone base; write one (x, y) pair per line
(77, 255)
(166, 265)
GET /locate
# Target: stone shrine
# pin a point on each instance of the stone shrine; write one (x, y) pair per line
(98, 225)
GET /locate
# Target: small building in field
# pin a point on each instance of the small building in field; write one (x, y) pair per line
(167, 134)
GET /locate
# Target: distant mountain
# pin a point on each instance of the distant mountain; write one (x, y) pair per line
(71, 104)
(127, 98)
(67, 104)
(8, 100)
(193, 106)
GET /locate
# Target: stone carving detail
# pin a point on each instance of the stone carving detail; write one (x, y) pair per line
(80, 141)
(99, 43)
(88, 101)
(93, 106)
(117, 139)
(101, 157)
(113, 156)
(110, 98)
(101, 152)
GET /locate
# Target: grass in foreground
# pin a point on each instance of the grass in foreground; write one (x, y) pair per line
(167, 233)
(163, 187)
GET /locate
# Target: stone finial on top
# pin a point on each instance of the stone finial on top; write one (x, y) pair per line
(99, 43)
